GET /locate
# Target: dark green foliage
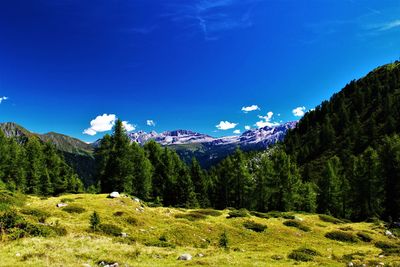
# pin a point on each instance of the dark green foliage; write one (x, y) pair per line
(303, 254)
(159, 243)
(192, 216)
(224, 240)
(364, 237)
(256, 227)
(297, 224)
(74, 209)
(238, 213)
(260, 214)
(39, 214)
(342, 236)
(330, 219)
(132, 220)
(384, 245)
(209, 212)
(9, 199)
(110, 229)
(94, 221)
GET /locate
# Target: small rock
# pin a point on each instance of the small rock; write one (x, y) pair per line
(114, 195)
(200, 255)
(136, 200)
(298, 218)
(60, 205)
(350, 264)
(18, 254)
(124, 234)
(381, 256)
(389, 234)
(185, 257)
(381, 264)
(86, 265)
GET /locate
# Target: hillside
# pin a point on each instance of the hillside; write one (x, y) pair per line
(157, 236)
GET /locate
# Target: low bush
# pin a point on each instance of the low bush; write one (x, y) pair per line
(384, 245)
(298, 225)
(288, 217)
(303, 254)
(209, 212)
(238, 213)
(354, 256)
(132, 220)
(40, 215)
(224, 240)
(74, 209)
(110, 229)
(192, 216)
(260, 214)
(330, 219)
(118, 213)
(10, 199)
(342, 236)
(161, 244)
(67, 200)
(364, 237)
(256, 227)
(275, 214)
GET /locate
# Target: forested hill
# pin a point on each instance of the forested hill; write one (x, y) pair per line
(355, 134)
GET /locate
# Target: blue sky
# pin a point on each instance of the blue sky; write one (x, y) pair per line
(183, 64)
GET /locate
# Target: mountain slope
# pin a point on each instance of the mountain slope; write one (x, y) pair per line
(209, 150)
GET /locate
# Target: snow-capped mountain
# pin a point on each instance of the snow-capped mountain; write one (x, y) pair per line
(264, 137)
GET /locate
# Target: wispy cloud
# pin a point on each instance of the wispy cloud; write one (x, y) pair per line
(237, 131)
(386, 26)
(212, 18)
(3, 98)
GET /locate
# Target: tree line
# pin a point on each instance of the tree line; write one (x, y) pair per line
(34, 167)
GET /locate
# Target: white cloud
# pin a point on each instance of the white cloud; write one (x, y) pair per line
(236, 131)
(104, 123)
(128, 127)
(247, 127)
(226, 125)
(388, 25)
(250, 108)
(299, 111)
(266, 121)
(3, 98)
(150, 123)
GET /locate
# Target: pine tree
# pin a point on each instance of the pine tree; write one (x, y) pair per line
(200, 183)
(142, 172)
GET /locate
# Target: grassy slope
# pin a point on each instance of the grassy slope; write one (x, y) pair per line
(248, 248)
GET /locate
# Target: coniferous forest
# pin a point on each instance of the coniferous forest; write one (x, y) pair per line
(342, 159)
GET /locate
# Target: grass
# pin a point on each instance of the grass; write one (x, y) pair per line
(297, 224)
(156, 237)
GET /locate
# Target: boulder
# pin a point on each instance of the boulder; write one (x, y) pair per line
(389, 234)
(60, 205)
(185, 257)
(124, 234)
(136, 200)
(114, 195)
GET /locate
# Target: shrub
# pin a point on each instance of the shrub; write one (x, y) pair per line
(303, 254)
(74, 209)
(297, 224)
(209, 212)
(39, 214)
(132, 220)
(288, 217)
(110, 229)
(256, 227)
(260, 214)
(386, 245)
(330, 219)
(364, 237)
(10, 219)
(118, 213)
(275, 214)
(192, 216)
(161, 244)
(67, 200)
(94, 221)
(224, 240)
(238, 213)
(342, 236)
(10, 199)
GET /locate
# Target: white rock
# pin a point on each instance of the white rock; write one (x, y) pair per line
(18, 254)
(136, 199)
(350, 264)
(124, 234)
(60, 205)
(200, 255)
(381, 256)
(389, 234)
(114, 195)
(185, 257)
(298, 218)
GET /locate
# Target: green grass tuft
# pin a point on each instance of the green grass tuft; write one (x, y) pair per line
(297, 224)
(342, 236)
